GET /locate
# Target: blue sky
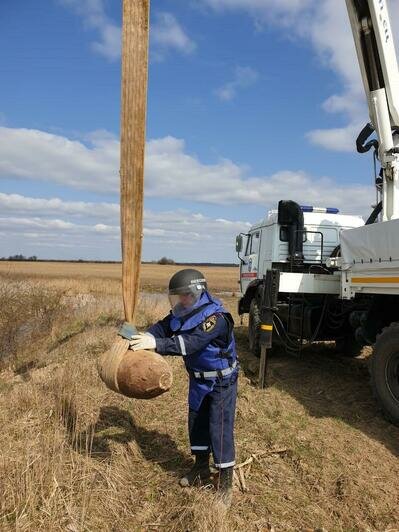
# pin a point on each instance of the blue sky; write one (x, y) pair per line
(250, 101)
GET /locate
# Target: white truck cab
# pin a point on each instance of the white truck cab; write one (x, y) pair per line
(265, 246)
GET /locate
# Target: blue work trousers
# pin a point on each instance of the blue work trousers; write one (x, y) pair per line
(211, 428)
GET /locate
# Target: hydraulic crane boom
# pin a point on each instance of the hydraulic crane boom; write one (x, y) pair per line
(375, 48)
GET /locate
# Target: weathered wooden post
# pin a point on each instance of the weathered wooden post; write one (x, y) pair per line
(140, 374)
(133, 127)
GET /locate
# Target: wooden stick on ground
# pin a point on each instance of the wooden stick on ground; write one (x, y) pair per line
(133, 128)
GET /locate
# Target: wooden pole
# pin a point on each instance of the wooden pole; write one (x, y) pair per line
(133, 127)
(140, 374)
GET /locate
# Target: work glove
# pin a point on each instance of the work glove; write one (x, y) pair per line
(142, 341)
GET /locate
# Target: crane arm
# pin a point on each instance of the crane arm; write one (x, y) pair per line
(372, 32)
(376, 53)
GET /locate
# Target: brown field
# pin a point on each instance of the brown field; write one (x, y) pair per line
(75, 456)
(153, 276)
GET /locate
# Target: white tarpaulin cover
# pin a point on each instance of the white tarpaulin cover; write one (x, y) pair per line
(376, 244)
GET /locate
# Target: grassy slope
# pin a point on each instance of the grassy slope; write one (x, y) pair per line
(76, 456)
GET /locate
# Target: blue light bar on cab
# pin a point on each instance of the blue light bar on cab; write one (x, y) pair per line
(322, 210)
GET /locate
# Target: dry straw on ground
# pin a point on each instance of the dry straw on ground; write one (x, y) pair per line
(313, 450)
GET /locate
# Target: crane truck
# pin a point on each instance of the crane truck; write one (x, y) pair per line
(312, 274)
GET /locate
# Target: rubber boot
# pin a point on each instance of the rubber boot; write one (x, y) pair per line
(199, 473)
(225, 487)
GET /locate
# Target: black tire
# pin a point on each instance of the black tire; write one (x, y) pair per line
(254, 328)
(385, 372)
(347, 346)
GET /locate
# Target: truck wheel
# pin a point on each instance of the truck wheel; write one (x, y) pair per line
(254, 328)
(385, 371)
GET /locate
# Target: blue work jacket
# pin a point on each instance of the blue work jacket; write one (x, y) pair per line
(205, 340)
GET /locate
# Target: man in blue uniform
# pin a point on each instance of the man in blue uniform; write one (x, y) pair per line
(200, 330)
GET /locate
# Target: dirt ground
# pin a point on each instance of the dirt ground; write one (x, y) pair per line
(314, 452)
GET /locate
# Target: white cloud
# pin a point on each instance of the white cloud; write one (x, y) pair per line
(34, 226)
(266, 8)
(171, 172)
(33, 154)
(336, 139)
(165, 33)
(244, 77)
(93, 14)
(17, 204)
(325, 24)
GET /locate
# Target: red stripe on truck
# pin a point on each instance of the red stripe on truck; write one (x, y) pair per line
(251, 275)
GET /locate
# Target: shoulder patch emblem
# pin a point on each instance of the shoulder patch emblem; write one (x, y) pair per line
(209, 324)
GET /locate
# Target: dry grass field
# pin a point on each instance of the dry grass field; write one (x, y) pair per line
(100, 277)
(315, 453)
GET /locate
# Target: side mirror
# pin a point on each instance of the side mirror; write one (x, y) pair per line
(239, 243)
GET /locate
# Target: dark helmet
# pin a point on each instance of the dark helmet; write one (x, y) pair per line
(187, 280)
(185, 289)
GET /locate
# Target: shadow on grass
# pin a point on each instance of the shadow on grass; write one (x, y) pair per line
(327, 385)
(117, 425)
(25, 368)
